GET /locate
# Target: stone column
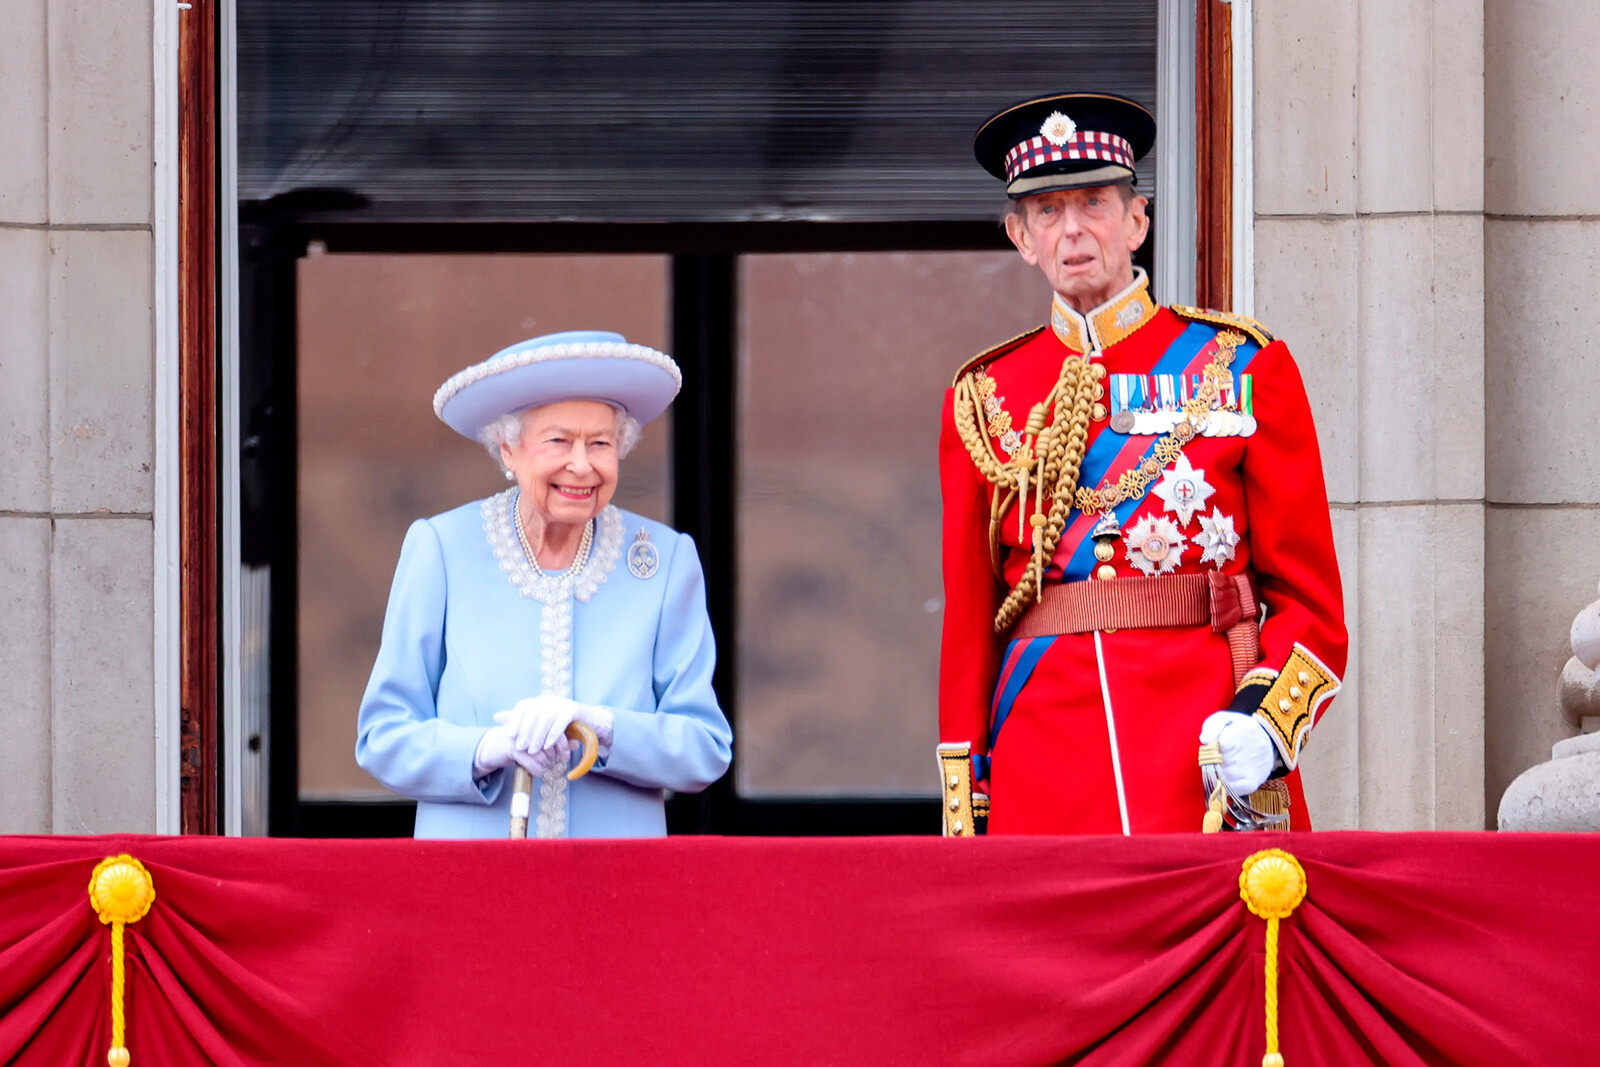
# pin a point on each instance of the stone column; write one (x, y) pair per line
(1564, 794)
(1369, 263)
(1543, 358)
(76, 350)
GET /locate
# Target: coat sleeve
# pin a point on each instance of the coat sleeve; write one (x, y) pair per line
(685, 743)
(1303, 641)
(969, 650)
(400, 740)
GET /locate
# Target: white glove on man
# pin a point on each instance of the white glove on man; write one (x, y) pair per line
(498, 746)
(541, 723)
(1248, 754)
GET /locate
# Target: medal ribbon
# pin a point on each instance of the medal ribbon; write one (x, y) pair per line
(1113, 453)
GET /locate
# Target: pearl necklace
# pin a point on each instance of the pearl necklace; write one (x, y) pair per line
(578, 561)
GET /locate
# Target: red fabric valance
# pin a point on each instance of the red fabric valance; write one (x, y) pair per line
(1409, 949)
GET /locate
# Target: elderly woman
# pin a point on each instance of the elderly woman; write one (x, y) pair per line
(510, 619)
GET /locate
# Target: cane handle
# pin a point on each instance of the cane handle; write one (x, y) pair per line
(522, 783)
(585, 736)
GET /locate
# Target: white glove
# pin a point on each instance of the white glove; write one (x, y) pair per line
(497, 748)
(1248, 754)
(541, 724)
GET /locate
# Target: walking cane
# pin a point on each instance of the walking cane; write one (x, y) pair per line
(522, 785)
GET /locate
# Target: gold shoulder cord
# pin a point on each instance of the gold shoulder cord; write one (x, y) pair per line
(1050, 455)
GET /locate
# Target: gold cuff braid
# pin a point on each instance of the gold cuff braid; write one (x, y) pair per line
(955, 775)
(1290, 705)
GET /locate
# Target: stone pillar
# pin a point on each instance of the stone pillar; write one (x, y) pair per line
(76, 422)
(1369, 263)
(1564, 794)
(1543, 358)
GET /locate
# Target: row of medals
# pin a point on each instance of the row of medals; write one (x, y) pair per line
(1219, 423)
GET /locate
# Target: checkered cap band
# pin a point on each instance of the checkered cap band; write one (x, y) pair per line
(1085, 144)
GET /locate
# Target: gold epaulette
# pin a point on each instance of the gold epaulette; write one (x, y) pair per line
(1257, 332)
(996, 352)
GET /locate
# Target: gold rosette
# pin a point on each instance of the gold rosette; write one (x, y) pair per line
(1272, 884)
(121, 892)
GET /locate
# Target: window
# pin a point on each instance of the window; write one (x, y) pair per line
(843, 363)
(781, 195)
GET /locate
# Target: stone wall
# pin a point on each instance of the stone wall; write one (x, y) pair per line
(1542, 270)
(77, 749)
(1369, 262)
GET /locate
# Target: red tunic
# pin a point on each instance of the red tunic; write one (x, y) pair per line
(1053, 767)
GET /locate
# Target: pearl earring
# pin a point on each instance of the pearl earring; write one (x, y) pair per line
(509, 476)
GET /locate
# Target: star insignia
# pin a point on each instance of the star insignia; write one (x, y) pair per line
(1217, 537)
(1155, 546)
(1183, 490)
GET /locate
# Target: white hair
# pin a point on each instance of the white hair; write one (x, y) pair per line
(507, 430)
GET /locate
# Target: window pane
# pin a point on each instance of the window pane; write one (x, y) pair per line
(844, 360)
(638, 110)
(377, 334)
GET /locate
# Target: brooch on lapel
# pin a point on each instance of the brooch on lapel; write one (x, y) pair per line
(643, 559)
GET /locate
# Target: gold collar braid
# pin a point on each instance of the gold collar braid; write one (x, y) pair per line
(1111, 323)
(1050, 456)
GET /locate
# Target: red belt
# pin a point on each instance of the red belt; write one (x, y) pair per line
(1225, 602)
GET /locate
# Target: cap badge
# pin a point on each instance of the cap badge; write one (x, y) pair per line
(643, 559)
(1058, 129)
(1155, 546)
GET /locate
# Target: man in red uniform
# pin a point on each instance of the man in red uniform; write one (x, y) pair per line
(1138, 556)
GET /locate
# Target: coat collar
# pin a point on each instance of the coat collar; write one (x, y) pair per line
(1111, 322)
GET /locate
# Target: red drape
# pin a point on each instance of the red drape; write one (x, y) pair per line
(1409, 949)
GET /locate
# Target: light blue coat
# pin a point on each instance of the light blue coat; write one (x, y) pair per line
(461, 642)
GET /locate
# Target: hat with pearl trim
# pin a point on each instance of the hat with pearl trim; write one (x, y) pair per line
(575, 365)
(1068, 141)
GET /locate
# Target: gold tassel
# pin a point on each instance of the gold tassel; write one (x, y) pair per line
(121, 892)
(1272, 884)
(1211, 756)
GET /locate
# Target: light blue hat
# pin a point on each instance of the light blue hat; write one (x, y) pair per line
(575, 365)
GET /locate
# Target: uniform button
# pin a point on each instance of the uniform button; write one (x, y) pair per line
(955, 803)
(1097, 371)
(1284, 705)
(955, 780)
(955, 826)
(1305, 679)
(1294, 692)
(1098, 413)
(1105, 572)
